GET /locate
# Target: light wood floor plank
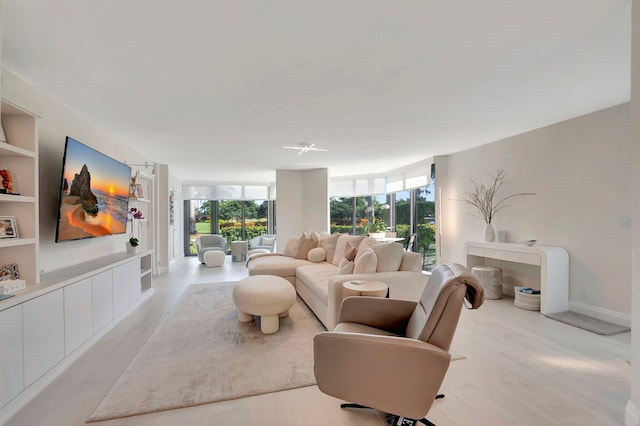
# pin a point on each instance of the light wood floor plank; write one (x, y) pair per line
(521, 368)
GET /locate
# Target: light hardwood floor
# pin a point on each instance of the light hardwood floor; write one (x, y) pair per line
(520, 369)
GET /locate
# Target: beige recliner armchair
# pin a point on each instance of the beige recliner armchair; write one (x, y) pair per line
(392, 355)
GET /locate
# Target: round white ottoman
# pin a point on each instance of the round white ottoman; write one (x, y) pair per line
(267, 296)
(213, 258)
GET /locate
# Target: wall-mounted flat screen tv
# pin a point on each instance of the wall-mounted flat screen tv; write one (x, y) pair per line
(94, 194)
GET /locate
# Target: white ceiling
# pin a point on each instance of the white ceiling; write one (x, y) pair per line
(215, 88)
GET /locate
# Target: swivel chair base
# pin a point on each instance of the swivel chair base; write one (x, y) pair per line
(395, 420)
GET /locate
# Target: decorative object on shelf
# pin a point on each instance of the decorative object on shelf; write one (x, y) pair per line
(489, 232)
(171, 200)
(530, 242)
(134, 242)
(133, 185)
(7, 181)
(139, 191)
(483, 199)
(11, 286)
(8, 228)
(9, 272)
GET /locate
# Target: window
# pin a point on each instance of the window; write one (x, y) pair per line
(426, 224)
(235, 220)
(402, 210)
(341, 214)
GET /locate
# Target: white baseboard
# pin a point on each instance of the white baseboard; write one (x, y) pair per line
(631, 414)
(23, 398)
(601, 313)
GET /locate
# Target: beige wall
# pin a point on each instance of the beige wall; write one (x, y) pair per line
(302, 203)
(580, 170)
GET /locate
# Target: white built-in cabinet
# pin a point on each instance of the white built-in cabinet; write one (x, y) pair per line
(43, 334)
(45, 327)
(120, 289)
(102, 288)
(78, 314)
(11, 354)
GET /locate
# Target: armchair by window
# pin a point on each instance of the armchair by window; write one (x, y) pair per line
(267, 241)
(379, 341)
(206, 243)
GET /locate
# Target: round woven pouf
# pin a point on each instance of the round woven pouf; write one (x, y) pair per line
(491, 280)
(267, 296)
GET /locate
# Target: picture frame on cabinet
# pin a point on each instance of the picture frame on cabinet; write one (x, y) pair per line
(8, 228)
(9, 272)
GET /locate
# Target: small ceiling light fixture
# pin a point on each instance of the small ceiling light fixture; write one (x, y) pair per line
(305, 148)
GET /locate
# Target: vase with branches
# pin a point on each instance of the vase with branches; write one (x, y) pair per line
(484, 199)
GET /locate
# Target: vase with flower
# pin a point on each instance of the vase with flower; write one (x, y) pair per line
(132, 245)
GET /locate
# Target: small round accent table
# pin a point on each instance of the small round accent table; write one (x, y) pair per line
(239, 251)
(267, 296)
(364, 288)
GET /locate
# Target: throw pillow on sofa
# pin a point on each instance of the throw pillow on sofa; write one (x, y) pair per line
(388, 254)
(328, 243)
(304, 246)
(316, 255)
(345, 267)
(342, 244)
(366, 263)
(291, 247)
(350, 252)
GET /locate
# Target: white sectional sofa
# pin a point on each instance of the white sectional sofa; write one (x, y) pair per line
(318, 269)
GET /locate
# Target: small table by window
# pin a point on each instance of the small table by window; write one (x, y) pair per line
(239, 251)
(365, 288)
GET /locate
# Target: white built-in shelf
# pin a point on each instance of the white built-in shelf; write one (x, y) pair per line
(142, 200)
(19, 155)
(17, 198)
(14, 242)
(7, 150)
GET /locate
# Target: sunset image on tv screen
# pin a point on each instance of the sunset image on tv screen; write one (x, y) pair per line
(94, 195)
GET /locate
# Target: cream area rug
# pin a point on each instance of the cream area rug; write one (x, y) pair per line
(200, 353)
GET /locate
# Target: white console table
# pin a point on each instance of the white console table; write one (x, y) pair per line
(553, 263)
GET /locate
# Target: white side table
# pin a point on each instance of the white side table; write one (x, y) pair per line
(364, 288)
(239, 251)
